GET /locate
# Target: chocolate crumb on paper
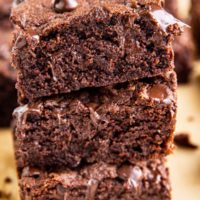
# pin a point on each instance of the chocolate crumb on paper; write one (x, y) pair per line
(183, 140)
(8, 180)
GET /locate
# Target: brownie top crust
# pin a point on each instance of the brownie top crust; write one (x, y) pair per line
(41, 17)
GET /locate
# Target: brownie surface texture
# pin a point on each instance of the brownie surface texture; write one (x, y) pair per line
(100, 43)
(143, 181)
(124, 123)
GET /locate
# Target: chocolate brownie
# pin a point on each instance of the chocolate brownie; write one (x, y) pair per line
(96, 44)
(8, 94)
(143, 181)
(195, 22)
(126, 122)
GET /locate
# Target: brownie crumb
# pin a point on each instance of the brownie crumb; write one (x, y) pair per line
(5, 195)
(8, 180)
(183, 140)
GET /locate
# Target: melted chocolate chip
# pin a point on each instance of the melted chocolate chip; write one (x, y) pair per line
(36, 175)
(133, 175)
(135, 178)
(124, 172)
(20, 42)
(158, 92)
(183, 140)
(61, 6)
(17, 2)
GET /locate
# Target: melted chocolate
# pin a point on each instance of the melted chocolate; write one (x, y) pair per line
(159, 93)
(165, 20)
(61, 6)
(133, 175)
(17, 2)
(92, 188)
(20, 42)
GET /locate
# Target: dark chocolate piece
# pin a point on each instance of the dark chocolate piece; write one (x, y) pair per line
(142, 181)
(100, 43)
(126, 122)
(183, 140)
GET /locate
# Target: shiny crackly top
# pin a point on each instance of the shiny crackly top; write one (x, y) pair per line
(42, 15)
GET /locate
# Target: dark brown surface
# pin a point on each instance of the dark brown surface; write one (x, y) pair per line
(8, 94)
(144, 181)
(126, 122)
(195, 22)
(97, 44)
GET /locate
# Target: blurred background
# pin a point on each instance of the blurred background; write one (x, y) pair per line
(184, 163)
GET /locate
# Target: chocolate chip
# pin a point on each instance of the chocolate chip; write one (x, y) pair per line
(158, 92)
(20, 42)
(36, 175)
(124, 172)
(61, 6)
(183, 140)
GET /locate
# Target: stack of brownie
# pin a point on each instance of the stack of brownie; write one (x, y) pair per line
(97, 88)
(8, 94)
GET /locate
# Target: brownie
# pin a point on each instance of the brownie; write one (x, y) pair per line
(142, 181)
(98, 43)
(126, 122)
(8, 94)
(195, 22)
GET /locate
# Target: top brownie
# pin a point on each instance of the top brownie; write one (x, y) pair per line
(60, 46)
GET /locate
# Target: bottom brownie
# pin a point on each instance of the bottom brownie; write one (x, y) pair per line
(143, 181)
